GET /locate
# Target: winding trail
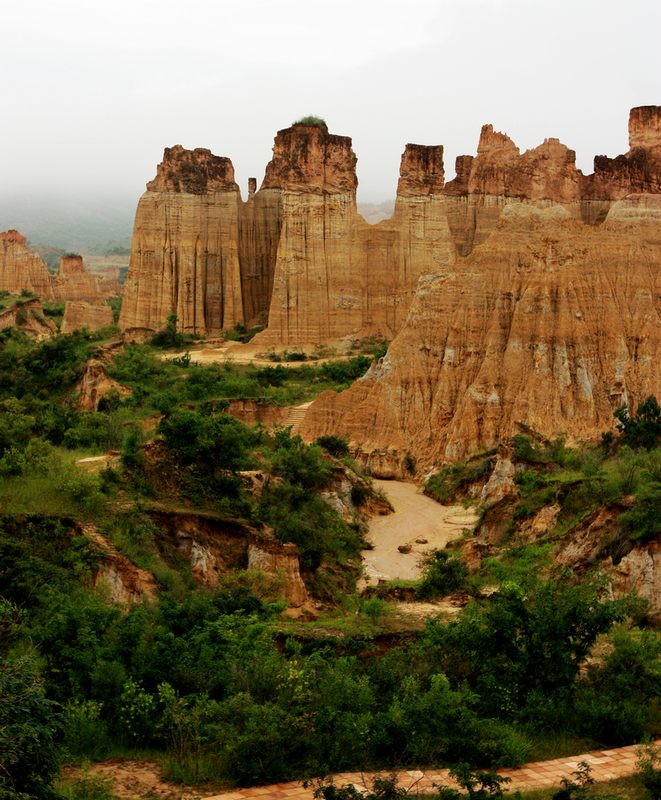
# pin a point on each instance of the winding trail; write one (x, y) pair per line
(416, 517)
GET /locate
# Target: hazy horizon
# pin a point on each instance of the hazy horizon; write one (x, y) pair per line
(98, 90)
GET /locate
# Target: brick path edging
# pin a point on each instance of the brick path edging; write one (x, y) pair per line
(605, 765)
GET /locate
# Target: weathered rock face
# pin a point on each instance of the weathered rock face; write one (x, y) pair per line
(80, 314)
(551, 322)
(28, 316)
(297, 252)
(633, 566)
(74, 282)
(214, 547)
(95, 385)
(184, 255)
(335, 275)
(277, 559)
(118, 578)
(21, 268)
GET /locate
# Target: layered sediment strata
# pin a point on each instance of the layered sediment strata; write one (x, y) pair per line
(22, 268)
(335, 275)
(550, 322)
(75, 283)
(185, 253)
(80, 314)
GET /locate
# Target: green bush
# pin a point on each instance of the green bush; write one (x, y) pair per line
(213, 440)
(345, 372)
(300, 464)
(337, 446)
(443, 574)
(452, 479)
(525, 644)
(85, 732)
(30, 725)
(643, 429)
(311, 120)
(168, 337)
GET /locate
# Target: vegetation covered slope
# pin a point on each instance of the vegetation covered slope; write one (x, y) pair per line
(203, 674)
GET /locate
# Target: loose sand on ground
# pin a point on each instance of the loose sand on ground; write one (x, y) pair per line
(416, 516)
(238, 353)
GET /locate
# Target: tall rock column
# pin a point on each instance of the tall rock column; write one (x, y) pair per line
(74, 282)
(635, 172)
(185, 254)
(316, 295)
(415, 241)
(335, 275)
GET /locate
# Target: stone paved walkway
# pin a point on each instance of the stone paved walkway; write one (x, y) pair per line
(605, 765)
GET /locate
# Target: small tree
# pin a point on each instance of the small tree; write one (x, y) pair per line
(168, 336)
(643, 429)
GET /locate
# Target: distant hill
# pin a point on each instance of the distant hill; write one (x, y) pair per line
(51, 255)
(375, 212)
(91, 225)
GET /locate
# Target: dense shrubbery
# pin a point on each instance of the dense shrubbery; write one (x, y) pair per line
(201, 673)
(443, 573)
(311, 120)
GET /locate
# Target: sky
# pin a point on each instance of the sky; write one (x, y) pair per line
(93, 90)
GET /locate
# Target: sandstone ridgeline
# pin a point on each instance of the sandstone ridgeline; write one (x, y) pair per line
(297, 254)
(521, 291)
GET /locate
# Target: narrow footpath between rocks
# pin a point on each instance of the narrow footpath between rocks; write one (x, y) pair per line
(604, 764)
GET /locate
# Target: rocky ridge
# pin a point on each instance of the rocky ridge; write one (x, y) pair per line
(522, 290)
(298, 253)
(540, 324)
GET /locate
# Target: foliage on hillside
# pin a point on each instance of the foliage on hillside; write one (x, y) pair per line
(204, 675)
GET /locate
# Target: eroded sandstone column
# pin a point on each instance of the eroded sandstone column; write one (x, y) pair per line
(22, 268)
(335, 275)
(185, 254)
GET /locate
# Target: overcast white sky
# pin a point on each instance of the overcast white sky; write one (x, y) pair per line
(93, 90)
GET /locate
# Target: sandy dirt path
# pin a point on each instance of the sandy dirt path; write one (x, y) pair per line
(238, 353)
(416, 516)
